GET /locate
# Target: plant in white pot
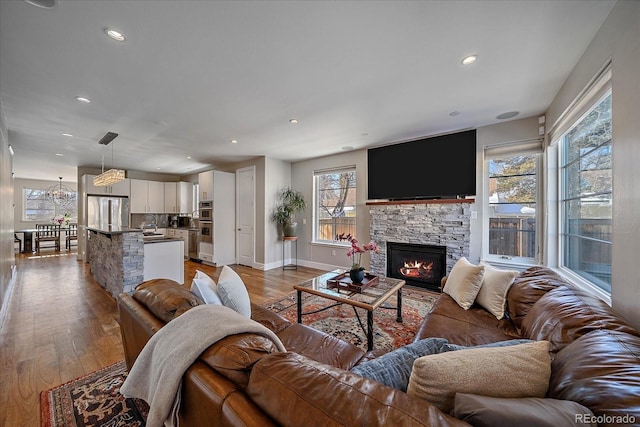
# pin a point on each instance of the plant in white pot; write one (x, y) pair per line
(291, 202)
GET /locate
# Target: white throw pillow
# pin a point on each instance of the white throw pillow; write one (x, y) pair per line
(493, 292)
(464, 282)
(205, 288)
(233, 292)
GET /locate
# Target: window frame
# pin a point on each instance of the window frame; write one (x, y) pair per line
(587, 106)
(502, 151)
(55, 211)
(316, 208)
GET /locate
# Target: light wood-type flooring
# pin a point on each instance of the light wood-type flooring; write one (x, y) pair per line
(60, 325)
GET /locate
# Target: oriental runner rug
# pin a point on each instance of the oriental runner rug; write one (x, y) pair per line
(341, 321)
(92, 400)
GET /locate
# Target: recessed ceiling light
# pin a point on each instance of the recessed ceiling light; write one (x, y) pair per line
(454, 113)
(157, 169)
(507, 115)
(116, 35)
(233, 141)
(59, 154)
(347, 148)
(83, 99)
(160, 123)
(364, 134)
(67, 134)
(469, 59)
(293, 121)
(189, 157)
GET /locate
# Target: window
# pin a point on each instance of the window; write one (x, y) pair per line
(335, 204)
(37, 208)
(512, 207)
(586, 199)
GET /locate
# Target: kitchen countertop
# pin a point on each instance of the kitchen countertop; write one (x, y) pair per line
(113, 229)
(160, 239)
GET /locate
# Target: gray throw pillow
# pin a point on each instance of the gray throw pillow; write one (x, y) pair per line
(394, 368)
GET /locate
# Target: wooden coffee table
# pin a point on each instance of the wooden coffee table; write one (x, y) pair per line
(370, 299)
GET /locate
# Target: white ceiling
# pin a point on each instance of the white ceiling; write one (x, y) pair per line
(193, 75)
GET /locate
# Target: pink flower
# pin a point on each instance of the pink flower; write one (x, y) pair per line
(355, 252)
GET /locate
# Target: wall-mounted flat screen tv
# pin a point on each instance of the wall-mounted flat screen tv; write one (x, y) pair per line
(442, 167)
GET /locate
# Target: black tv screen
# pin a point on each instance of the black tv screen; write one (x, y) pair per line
(442, 167)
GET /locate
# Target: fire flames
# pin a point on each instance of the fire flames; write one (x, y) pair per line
(416, 269)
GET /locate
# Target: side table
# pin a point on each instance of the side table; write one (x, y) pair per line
(292, 240)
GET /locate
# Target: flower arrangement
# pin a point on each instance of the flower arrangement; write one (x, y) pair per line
(355, 252)
(62, 220)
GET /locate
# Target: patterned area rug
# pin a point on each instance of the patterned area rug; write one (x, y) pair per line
(341, 322)
(92, 400)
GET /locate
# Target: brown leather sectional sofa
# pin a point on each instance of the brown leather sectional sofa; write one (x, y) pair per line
(243, 381)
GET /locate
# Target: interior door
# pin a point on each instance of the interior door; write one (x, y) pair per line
(245, 216)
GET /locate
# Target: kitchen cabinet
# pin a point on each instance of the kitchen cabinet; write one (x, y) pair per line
(219, 187)
(147, 196)
(205, 182)
(181, 234)
(121, 188)
(171, 197)
(178, 197)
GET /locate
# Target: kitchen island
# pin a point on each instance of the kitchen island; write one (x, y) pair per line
(121, 258)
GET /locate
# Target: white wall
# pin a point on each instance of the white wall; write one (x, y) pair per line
(320, 255)
(619, 40)
(7, 257)
(277, 177)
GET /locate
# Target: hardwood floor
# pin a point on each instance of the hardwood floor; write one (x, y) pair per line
(61, 324)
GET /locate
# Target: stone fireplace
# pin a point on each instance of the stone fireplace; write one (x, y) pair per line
(443, 223)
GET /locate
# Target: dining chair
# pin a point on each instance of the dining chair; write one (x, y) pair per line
(17, 240)
(47, 233)
(72, 234)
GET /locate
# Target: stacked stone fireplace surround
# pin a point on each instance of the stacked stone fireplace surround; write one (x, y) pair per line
(423, 222)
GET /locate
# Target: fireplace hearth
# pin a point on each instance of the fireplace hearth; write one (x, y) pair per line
(418, 264)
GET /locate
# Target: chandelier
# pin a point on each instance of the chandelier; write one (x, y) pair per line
(61, 195)
(112, 176)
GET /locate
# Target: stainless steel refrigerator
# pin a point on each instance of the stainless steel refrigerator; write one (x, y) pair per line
(103, 211)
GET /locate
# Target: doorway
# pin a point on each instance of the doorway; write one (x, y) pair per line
(245, 215)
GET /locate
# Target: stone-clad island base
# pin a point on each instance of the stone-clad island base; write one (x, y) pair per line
(117, 258)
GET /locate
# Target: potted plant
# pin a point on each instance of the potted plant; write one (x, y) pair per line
(291, 202)
(356, 273)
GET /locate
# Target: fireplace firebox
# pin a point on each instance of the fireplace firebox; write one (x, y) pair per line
(417, 264)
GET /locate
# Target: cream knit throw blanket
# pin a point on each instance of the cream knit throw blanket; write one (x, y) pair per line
(156, 375)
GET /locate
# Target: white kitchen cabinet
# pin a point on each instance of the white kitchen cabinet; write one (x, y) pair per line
(171, 197)
(205, 181)
(147, 196)
(222, 191)
(178, 197)
(122, 188)
(185, 197)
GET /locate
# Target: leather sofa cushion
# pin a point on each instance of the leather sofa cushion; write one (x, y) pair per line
(527, 289)
(234, 356)
(484, 411)
(319, 346)
(471, 327)
(600, 370)
(564, 314)
(297, 391)
(269, 319)
(165, 298)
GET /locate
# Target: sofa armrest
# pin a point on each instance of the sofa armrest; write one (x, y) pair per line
(137, 325)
